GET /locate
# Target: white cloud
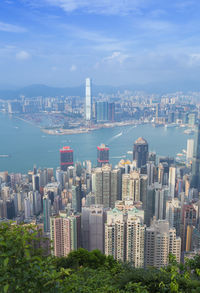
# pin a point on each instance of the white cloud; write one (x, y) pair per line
(6, 27)
(23, 55)
(116, 57)
(73, 68)
(108, 7)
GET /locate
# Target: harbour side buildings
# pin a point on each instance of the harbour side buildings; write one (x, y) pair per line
(138, 211)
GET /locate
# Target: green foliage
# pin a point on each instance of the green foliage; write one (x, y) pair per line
(24, 268)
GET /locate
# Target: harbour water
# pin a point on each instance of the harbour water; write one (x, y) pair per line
(22, 145)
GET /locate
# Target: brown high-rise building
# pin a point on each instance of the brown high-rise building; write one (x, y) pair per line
(66, 158)
(140, 152)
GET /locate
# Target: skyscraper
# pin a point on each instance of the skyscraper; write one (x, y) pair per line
(103, 179)
(124, 233)
(102, 111)
(196, 160)
(102, 155)
(140, 152)
(66, 158)
(161, 240)
(65, 233)
(190, 148)
(172, 181)
(46, 213)
(92, 222)
(88, 100)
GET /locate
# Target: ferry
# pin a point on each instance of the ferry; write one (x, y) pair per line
(170, 125)
(130, 152)
(188, 131)
(4, 156)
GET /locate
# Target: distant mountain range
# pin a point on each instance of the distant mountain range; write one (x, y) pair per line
(48, 91)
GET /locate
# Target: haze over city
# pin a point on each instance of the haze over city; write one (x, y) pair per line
(60, 42)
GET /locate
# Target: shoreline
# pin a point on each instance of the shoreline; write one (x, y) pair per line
(61, 131)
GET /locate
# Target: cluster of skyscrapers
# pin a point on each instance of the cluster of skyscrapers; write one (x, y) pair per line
(139, 211)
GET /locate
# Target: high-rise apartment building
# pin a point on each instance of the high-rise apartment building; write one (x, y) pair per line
(172, 181)
(93, 220)
(140, 152)
(160, 241)
(134, 186)
(102, 180)
(102, 155)
(190, 149)
(124, 234)
(88, 100)
(76, 195)
(173, 214)
(66, 158)
(46, 213)
(65, 233)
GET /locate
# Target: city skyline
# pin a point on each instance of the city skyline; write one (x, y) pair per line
(60, 42)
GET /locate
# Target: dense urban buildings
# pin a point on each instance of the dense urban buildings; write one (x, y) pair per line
(139, 210)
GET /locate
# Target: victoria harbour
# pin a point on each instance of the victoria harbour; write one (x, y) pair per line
(23, 145)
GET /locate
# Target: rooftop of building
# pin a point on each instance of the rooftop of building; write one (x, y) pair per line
(141, 140)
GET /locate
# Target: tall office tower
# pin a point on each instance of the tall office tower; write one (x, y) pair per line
(196, 160)
(27, 208)
(140, 152)
(102, 180)
(163, 173)
(124, 234)
(173, 214)
(190, 148)
(65, 234)
(102, 155)
(151, 173)
(76, 195)
(149, 205)
(172, 181)
(160, 241)
(88, 100)
(46, 213)
(66, 158)
(102, 111)
(49, 174)
(161, 195)
(93, 220)
(111, 112)
(36, 182)
(189, 218)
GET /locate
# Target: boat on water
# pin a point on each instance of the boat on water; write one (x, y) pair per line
(130, 152)
(170, 125)
(4, 156)
(188, 131)
(179, 154)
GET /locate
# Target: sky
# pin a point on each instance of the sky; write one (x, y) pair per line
(115, 42)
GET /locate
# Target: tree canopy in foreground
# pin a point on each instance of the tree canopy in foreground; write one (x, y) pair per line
(25, 268)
